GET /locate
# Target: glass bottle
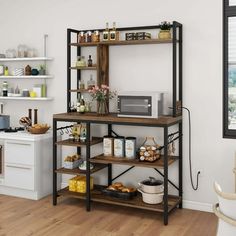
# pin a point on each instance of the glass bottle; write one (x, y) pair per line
(105, 33)
(78, 103)
(91, 82)
(6, 71)
(113, 32)
(90, 61)
(5, 89)
(81, 84)
(82, 105)
(78, 61)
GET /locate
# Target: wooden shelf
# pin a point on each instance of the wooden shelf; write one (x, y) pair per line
(27, 98)
(79, 90)
(67, 142)
(77, 171)
(26, 59)
(85, 44)
(83, 68)
(136, 202)
(112, 118)
(124, 161)
(26, 77)
(125, 42)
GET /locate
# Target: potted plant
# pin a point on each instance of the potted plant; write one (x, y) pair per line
(165, 30)
(42, 69)
(102, 95)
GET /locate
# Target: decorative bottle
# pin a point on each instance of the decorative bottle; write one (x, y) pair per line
(90, 61)
(113, 32)
(91, 83)
(105, 33)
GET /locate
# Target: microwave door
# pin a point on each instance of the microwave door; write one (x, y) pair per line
(135, 105)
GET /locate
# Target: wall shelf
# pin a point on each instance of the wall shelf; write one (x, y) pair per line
(27, 98)
(26, 59)
(26, 77)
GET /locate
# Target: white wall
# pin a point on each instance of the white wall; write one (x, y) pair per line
(26, 21)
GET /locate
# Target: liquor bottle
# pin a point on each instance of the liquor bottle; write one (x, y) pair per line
(90, 61)
(78, 103)
(105, 33)
(113, 32)
(82, 105)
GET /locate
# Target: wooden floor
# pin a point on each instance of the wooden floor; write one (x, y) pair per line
(21, 217)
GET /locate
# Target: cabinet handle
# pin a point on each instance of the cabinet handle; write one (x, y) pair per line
(19, 167)
(24, 144)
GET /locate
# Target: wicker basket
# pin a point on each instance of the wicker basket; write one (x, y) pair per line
(41, 130)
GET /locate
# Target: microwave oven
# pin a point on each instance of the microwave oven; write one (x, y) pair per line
(143, 104)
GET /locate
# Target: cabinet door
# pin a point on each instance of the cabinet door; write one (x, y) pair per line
(19, 152)
(19, 176)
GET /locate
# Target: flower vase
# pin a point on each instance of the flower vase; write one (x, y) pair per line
(102, 108)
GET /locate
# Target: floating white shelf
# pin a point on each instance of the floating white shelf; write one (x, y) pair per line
(27, 98)
(27, 59)
(26, 77)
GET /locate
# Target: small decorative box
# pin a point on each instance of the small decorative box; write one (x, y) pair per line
(143, 35)
(130, 36)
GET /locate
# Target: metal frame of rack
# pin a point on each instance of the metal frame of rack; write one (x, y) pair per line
(91, 119)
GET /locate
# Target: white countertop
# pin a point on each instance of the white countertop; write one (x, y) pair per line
(24, 135)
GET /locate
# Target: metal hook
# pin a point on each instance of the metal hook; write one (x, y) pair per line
(67, 131)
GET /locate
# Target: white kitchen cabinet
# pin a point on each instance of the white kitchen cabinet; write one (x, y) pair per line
(27, 165)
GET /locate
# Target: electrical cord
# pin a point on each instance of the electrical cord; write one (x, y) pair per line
(190, 153)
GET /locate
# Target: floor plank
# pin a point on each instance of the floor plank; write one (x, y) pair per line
(22, 217)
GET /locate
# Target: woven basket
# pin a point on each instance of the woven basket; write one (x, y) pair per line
(42, 130)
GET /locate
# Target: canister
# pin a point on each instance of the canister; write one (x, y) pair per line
(108, 145)
(130, 147)
(119, 146)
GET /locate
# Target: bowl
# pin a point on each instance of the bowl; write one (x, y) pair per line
(41, 130)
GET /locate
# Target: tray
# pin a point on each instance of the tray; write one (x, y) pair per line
(119, 194)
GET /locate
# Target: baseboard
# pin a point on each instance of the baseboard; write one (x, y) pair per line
(199, 206)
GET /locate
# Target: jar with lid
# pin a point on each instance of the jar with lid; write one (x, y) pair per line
(89, 37)
(108, 145)
(96, 36)
(130, 147)
(119, 144)
(81, 37)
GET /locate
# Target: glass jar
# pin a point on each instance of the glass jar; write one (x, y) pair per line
(89, 37)
(81, 37)
(96, 36)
